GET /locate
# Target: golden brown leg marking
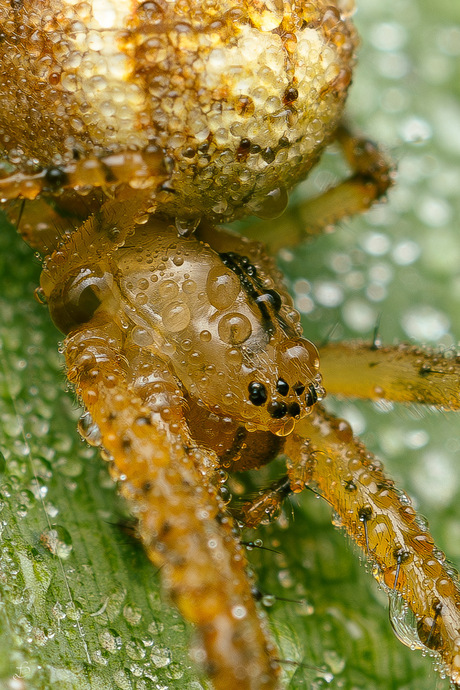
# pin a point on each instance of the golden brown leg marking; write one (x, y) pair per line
(401, 373)
(181, 520)
(383, 524)
(370, 179)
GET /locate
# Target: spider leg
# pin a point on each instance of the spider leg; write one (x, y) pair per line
(371, 176)
(142, 169)
(401, 373)
(182, 522)
(44, 224)
(381, 520)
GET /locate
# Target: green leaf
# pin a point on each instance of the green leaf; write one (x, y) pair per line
(80, 605)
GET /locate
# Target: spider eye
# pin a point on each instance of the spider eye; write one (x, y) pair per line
(282, 387)
(311, 396)
(257, 393)
(277, 410)
(299, 388)
(294, 409)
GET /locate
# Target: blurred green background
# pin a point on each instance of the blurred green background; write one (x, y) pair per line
(80, 606)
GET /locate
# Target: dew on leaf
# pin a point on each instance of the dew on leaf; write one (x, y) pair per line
(160, 656)
(57, 540)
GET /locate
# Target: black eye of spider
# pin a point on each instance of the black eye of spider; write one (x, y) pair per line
(312, 396)
(282, 387)
(294, 409)
(299, 388)
(257, 393)
(277, 410)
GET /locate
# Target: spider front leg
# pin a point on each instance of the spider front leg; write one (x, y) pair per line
(182, 522)
(322, 454)
(385, 526)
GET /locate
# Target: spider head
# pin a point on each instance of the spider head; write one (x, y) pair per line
(288, 388)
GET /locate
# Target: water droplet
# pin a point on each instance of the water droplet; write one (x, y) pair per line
(174, 671)
(403, 621)
(135, 650)
(272, 205)
(121, 680)
(57, 540)
(160, 656)
(335, 662)
(267, 15)
(110, 640)
(89, 430)
(99, 658)
(132, 614)
(186, 226)
(239, 612)
(285, 578)
(176, 317)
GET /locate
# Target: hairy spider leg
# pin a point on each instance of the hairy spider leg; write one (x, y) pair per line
(397, 542)
(400, 373)
(323, 455)
(182, 522)
(371, 176)
(140, 169)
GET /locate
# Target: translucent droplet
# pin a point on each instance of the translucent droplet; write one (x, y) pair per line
(403, 621)
(141, 336)
(186, 226)
(57, 540)
(135, 650)
(121, 680)
(176, 317)
(234, 328)
(132, 614)
(239, 612)
(174, 671)
(160, 656)
(335, 662)
(272, 205)
(222, 287)
(89, 430)
(110, 640)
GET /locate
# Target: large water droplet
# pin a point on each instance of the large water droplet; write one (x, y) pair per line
(272, 205)
(186, 226)
(403, 621)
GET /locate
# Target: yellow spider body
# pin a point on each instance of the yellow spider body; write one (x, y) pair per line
(132, 128)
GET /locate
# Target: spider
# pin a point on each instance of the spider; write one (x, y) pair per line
(148, 363)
